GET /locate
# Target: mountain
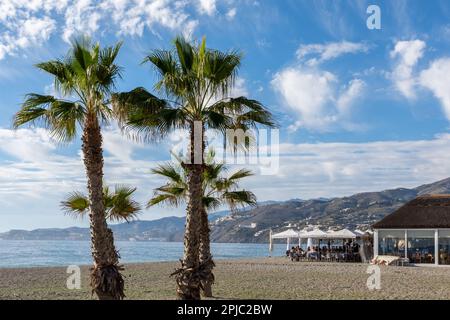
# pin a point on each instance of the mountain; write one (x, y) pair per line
(357, 211)
(252, 225)
(165, 229)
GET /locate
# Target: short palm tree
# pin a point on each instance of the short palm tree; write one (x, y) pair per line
(85, 79)
(119, 205)
(217, 190)
(193, 87)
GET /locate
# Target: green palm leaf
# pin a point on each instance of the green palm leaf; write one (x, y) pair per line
(119, 205)
(76, 204)
(87, 76)
(218, 189)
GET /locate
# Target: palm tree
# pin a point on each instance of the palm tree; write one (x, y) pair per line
(217, 191)
(194, 85)
(84, 79)
(119, 205)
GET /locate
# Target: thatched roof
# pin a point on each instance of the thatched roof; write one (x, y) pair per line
(431, 211)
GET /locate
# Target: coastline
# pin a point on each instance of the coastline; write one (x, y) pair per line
(256, 278)
(49, 253)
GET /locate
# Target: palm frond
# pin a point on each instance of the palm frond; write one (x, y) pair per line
(211, 203)
(107, 71)
(76, 204)
(217, 120)
(170, 199)
(240, 174)
(221, 69)
(246, 111)
(64, 80)
(240, 198)
(59, 116)
(212, 171)
(185, 54)
(170, 171)
(64, 117)
(123, 207)
(134, 106)
(33, 109)
(163, 61)
(119, 205)
(88, 73)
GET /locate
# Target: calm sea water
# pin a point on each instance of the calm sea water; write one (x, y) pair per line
(18, 253)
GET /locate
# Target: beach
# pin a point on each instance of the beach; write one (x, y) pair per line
(259, 278)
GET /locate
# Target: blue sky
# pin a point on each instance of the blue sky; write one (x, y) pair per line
(359, 109)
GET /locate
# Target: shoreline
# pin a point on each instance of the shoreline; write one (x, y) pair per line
(257, 278)
(132, 263)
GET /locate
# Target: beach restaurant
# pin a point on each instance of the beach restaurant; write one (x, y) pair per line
(419, 231)
(315, 235)
(341, 245)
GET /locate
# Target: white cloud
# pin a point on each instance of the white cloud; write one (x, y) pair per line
(119, 146)
(316, 96)
(80, 17)
(350, 94)
(312, 95)
(41, 175)
(207, 7)
(307, 93)
(240, 88)
(26, 145)
(231, 13)
(30, 32)
(25, 24)
(35, 29)
(407, 54)
(130, 17)
(36, 173)
(437, 79)
(310, 170)
(329, 51)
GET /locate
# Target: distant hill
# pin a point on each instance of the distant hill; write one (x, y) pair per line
(252, 225)
(165, 229)
(357, 211)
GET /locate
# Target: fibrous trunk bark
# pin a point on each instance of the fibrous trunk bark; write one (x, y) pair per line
(188, 276)
(206, 260)
(106, 280)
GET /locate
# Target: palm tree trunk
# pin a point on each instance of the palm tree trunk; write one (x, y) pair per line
(206, 260)
(106, 280)
(188, 276)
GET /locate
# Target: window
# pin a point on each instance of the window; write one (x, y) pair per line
(421, 246)
(444, 247)
(391, 242)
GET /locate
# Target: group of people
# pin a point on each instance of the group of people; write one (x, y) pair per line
(347, 252)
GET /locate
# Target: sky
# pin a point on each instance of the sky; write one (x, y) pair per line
(359, 109)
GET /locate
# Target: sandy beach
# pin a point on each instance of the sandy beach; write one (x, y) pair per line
(266, 278)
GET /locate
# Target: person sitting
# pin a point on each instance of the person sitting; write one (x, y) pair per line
(291, 253)
(312, 254)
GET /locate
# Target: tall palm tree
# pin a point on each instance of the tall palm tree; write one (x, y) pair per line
(217, 190)
(119, 205)
(193, 87)
(84, 79)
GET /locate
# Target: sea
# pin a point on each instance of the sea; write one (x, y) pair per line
(31, 253)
